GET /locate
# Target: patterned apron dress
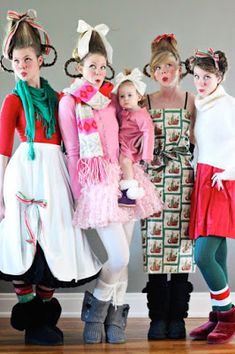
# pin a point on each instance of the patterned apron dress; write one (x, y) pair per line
(166, 244)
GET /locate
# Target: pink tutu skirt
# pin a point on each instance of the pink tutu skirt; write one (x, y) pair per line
(98, 203)
(151, 202)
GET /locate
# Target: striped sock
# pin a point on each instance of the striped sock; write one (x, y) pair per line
(221, 299)
(44, 293)
(24, 292)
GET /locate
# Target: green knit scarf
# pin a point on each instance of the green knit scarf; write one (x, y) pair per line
(40, 104)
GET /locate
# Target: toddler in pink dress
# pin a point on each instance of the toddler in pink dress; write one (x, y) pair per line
(136, 135)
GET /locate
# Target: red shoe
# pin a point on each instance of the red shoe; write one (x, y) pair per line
(225, 329)
(201, 332)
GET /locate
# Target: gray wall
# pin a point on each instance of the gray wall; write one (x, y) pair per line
(133, 25)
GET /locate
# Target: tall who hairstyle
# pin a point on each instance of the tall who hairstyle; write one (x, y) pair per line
(96, 46)
(25, 36)
(163, 48)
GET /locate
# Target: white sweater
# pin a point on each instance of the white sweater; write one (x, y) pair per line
(215, 129)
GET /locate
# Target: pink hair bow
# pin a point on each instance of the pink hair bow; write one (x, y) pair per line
(164, 36)
(29, 16)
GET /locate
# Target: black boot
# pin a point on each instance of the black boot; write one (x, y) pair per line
(52, 312)
(35, 317)
(179, 304)
(158, 305)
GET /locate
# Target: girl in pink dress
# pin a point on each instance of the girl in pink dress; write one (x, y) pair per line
(87, 115)
(136, 135)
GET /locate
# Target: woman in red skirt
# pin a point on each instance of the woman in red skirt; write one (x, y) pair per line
(212, 217)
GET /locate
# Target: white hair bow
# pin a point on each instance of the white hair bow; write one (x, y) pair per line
(83, 42)
(135, 76)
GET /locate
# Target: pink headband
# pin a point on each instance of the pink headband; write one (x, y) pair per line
(30, 17)
(164, 36)
(208, 54)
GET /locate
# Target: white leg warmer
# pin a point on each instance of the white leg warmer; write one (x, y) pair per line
(117, 248)
(113, 280)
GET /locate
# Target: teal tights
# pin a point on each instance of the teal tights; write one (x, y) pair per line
(211, 257)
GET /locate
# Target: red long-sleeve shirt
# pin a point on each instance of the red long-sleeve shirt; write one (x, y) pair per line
(12, 117)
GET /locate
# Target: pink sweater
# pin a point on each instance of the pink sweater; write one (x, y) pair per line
(135, 125)
(108, 129)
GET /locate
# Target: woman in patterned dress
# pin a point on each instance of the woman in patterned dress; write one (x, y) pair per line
(167, 248)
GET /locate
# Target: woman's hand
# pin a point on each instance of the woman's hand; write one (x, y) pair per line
(217, 180)
(226, 175)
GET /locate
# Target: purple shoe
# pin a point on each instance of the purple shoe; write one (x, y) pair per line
(124, 201)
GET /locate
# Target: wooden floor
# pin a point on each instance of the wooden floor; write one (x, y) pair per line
(12, 341)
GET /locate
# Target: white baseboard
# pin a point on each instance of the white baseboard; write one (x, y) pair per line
(71, 304)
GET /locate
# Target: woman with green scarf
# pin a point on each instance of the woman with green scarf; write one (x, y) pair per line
(38, 244)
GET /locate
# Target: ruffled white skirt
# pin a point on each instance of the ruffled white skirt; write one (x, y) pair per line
(42, 215)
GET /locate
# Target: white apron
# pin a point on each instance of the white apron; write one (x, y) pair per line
(46, 220)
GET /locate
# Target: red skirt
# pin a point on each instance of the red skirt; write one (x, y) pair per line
(212, 211)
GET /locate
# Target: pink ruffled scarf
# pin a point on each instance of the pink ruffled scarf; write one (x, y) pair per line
(92, 165)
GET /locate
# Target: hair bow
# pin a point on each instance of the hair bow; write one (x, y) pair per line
(208, 54)
(135, 76)
(29, 16)
(83, 42)
(164, 36)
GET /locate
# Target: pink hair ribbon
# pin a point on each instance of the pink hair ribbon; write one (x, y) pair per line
(29, 16)
(28, 202)
(164, 36)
